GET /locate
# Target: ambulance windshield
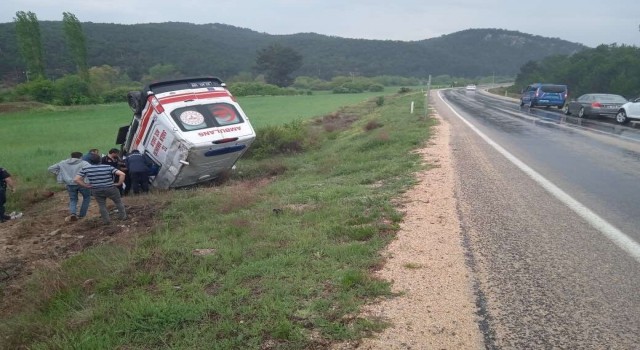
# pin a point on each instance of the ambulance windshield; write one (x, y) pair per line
(206, 116)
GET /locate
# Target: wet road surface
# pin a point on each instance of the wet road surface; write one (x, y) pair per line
(548, 273)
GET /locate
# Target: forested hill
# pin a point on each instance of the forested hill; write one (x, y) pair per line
(225, 50)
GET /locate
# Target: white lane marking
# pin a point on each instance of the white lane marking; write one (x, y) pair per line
(616, 236)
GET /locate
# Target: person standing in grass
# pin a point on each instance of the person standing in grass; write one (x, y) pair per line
(102, 186)
(113, 158)
(138, 166)
(87, 156)
(6, 181)
(66, 172)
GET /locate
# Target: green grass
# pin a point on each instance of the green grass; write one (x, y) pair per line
(290, 278)
(39, 138)
(270, 110)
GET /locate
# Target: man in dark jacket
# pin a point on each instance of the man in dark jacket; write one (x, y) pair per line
(138, 166)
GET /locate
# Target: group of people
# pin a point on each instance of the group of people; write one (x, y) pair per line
(92, 175)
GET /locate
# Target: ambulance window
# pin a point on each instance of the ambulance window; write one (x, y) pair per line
(224, 114)
(206, 116)
(192, 120)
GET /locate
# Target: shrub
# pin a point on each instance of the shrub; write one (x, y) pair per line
(259, 89)
(72, 90)
(348, 89)
(372, 124)
(118, 94)
(379, 101)
(40, 90)
(279, 139)
(376, 88)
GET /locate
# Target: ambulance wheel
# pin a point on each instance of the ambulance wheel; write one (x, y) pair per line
(134, 99)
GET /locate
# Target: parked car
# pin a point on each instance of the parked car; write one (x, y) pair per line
(594, 105)
(629, 111)
(546, 95)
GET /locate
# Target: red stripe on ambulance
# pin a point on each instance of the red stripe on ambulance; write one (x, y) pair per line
(200, 95)
(142, 129)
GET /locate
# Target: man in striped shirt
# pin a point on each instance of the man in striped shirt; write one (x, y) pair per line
(102, 186)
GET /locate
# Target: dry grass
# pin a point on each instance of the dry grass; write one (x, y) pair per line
(337, 121)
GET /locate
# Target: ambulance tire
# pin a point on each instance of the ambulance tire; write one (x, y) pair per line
(134, 99)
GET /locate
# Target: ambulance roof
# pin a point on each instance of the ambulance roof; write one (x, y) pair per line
(183, 84)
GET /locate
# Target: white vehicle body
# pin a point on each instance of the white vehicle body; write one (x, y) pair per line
(629, 111)
(192, 129)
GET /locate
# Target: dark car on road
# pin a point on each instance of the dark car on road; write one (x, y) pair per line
(546, 95)
(595, 105)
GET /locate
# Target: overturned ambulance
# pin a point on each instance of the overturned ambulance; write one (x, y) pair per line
(193, 130)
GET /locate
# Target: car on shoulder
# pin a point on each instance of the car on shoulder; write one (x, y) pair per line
(595, 104)
(629, 111)
(546, 95)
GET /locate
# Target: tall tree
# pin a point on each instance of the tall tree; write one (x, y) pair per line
(277, 62)
(30, 43)
(77, 43)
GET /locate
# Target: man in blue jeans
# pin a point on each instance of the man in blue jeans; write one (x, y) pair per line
(100, 178)
(66, 172)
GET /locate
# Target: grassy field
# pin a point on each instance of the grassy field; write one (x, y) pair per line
(38, 138)
(282, 109)
(289, 257)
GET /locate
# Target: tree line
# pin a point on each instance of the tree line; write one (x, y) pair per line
(606, 69)
(228, 51)
(106, 83)
(272, 73)
(81, 63)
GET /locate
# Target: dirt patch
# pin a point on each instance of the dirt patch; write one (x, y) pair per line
(10, 107)
(44, 236)
(337, 121)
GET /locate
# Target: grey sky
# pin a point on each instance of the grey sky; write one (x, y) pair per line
(587, 22)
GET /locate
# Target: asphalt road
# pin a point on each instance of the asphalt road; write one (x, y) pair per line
(550, 213)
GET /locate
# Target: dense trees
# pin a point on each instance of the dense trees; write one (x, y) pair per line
(607, 68)
(277, 63)
(227, 51)
(123, 57)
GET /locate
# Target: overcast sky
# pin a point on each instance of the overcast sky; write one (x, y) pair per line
(587, 22)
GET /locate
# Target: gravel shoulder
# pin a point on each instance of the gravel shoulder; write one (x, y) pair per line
(435, 308)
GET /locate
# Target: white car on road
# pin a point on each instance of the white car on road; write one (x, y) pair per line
(629, 111)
